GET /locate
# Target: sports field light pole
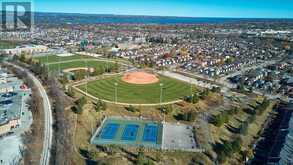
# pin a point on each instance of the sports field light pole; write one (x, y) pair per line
(191, 89)
(47, 63)
(87, 76)
(59, 65)
(161, 94)
(116, 84)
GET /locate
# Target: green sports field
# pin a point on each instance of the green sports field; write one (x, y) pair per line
(54, 58)
(75, 64)
(137, 94)
(7, 45)
(55, 63)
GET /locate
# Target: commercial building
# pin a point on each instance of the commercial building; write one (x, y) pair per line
(26, 49)
(13, 96)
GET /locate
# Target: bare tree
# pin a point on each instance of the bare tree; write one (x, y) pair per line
(62, 149)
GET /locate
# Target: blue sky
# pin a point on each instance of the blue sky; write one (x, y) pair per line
(189, 8)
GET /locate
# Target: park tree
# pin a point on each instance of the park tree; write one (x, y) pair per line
(189, 116)
(70, 92)
(131, 108)
(195, 98)
(142, 159)
(100, 106)
(243, 128)
(227, 148)
(220, 119)
(166, 109)
(204, 94)
(22, 57)
(216, 89)
(80, 103)
(79, 75)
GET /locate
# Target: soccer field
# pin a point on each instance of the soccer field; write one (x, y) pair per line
(54, 58)
(55, 62)
(98, 65)
(138, 94)
(7, 45)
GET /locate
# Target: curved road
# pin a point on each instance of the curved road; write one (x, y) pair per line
(48, 129)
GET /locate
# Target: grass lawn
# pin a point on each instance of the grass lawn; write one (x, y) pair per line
(138, 94)
(65, 62)
(7, 45)
(98, 65)
(54, 58)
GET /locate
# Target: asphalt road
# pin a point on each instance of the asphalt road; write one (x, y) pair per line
(187, 79)
(48, 129)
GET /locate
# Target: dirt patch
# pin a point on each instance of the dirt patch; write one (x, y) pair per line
(140, 78)
(80, 68)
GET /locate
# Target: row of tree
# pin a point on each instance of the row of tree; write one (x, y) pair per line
(227, 148)
(195, 97)
(79, 105)
(62, 149)
(224, 117)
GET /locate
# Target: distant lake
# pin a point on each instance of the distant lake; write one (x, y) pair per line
(118, 19)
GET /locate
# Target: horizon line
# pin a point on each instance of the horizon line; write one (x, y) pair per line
(138, 15)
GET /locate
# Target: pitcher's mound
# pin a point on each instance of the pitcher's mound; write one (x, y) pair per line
(140, 78)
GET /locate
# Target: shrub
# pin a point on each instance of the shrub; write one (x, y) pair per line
(131, 108)
(204, 94)
(233, 111)
(189, 116)
(78, 108)
(81, 101)
(100, 106)
(262, 107)
(251, 119)
(243, 128)
(166, 109)
(195, 98)
(220, 119)
(216, 89)
(143, 160)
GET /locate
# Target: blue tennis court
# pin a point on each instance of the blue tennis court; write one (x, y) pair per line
(150, 133)
(109, 131)
(130, 132)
